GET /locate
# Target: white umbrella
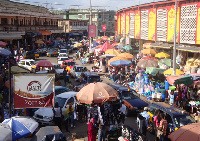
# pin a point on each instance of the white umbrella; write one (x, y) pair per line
(5, 132)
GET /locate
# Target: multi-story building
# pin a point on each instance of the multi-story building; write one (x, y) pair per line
(19, 21)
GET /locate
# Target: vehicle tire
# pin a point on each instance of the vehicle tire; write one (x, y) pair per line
(151, 130)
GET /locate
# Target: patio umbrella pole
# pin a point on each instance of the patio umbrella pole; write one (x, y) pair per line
(9, 77)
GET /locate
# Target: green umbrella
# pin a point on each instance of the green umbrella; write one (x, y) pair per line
(167, 62)
(153, 70)
(127, 47)
(187, 80)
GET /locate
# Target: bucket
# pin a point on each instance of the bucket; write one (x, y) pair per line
(166, 85)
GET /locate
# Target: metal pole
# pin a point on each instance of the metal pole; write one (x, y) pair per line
(9, 78)
(90, 23)
(174, 51)
(103, 20)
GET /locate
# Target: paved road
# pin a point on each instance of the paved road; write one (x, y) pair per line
(81, 128)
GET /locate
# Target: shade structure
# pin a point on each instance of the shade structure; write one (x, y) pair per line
(120, 63)
(186, 80)
(44, 63)
(104, 38)
(149, 57)
(171, 79)
(106, 46)
(153, 71)
(21, 126)
(96, 93)
(112, 51)
(45, 32)
(3, 44)
(4, 52)
(149, 51)
(39, 42)
(98, 41)
(127, 47)
(116, 58)
(167, 62)
(115, 44)
(127, 55)
(170, 72)
(143, 63)
(5, 132)
(95, 43)
(188, 132)
(162, 55)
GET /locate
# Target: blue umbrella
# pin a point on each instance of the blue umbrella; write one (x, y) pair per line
(95, 44)
(21, 126)
(5, 52)
(120, 63)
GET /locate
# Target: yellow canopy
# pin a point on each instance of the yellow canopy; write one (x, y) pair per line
(116, 58)
(39, 42)
(126, 55)
(170, 72)
(77, 44)
(162, 55)
(149, 51)
(112, 51)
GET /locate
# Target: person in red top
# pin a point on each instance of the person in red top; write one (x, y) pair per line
(162, 127)
(179, 97)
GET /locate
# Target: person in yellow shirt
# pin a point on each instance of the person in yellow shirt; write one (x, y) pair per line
(70, 115)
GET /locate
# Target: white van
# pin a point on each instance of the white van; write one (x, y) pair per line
(61, 59)
(28, 64)
(45, 115)
(63, 52)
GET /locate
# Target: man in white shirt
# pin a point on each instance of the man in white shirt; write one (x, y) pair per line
(123, 111)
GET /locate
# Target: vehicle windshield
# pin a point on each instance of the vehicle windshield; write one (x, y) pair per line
(183, 120)
(63, 51)
(61, 101)
(128, 95)
(32, 62)
(57, 67)
(79, 69)
(71, 63)
(62, 59)
(92, 79)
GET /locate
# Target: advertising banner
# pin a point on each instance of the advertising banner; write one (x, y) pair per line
(198, 25)
(124, 25)
(118, 24)
(104, 27)
(92, 30)
(171, 24)
(127, 23)
(152, 24)
(137, 24)
(33, 90)
(121, 32)
(132, 24)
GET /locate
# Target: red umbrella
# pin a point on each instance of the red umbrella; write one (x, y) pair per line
(98, 41)
(44, 63)
(48, 42)
(3, 44)
(149, 57)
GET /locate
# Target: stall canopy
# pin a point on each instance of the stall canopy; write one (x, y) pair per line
(106, 46)
(171, 79)
(10, 36)
(153, 71)
(187, 80)
(45, 32)
(188, 48)
(161, 45)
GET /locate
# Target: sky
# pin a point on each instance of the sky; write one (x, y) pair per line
(82, 4)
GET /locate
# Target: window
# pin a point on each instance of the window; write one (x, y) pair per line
(27, 63)
(11, 21)
(79, 16)
(70, 101)
(87, 16)
(70, 23)
(85, 23)
(23, 62)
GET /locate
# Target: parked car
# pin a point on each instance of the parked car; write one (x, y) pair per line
(68, 64)
(132, 102)
(61, 59)
(175, 117)
(52, 53)
(64, 51)
(45, 115)
(61, 89)
(28, 63)
(76, 71)
(91, 77)
(28, 55)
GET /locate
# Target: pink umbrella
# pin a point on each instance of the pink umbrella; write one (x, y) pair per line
(171, 79)
(106, 46)
(3, 44)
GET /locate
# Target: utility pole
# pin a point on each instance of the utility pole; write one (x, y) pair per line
(103, 20)
(90, 23)
(174, 51)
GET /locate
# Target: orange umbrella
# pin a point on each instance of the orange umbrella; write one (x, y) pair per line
(126, 55)
(96, 93)
(188, 132)
(112, 51)
(116, 58)
(149, 51)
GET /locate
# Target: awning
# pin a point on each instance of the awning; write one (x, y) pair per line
(188, 48)
(161, 45)
(33, 34)
(10, 36)
(45, 32)
(74, 34)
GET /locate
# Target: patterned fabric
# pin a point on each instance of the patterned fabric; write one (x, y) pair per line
(163, 122)
(162, 25)
(188, 24)
(144, 24)
(132, 25)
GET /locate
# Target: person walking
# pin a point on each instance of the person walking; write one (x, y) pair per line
(122, 112)
(101, 132)
(57, 111)
(91, 130)
(70, 115)
(65, 76)
(162, 127)
(156, 121)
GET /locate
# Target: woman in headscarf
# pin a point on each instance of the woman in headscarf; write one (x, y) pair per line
(91, 130)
